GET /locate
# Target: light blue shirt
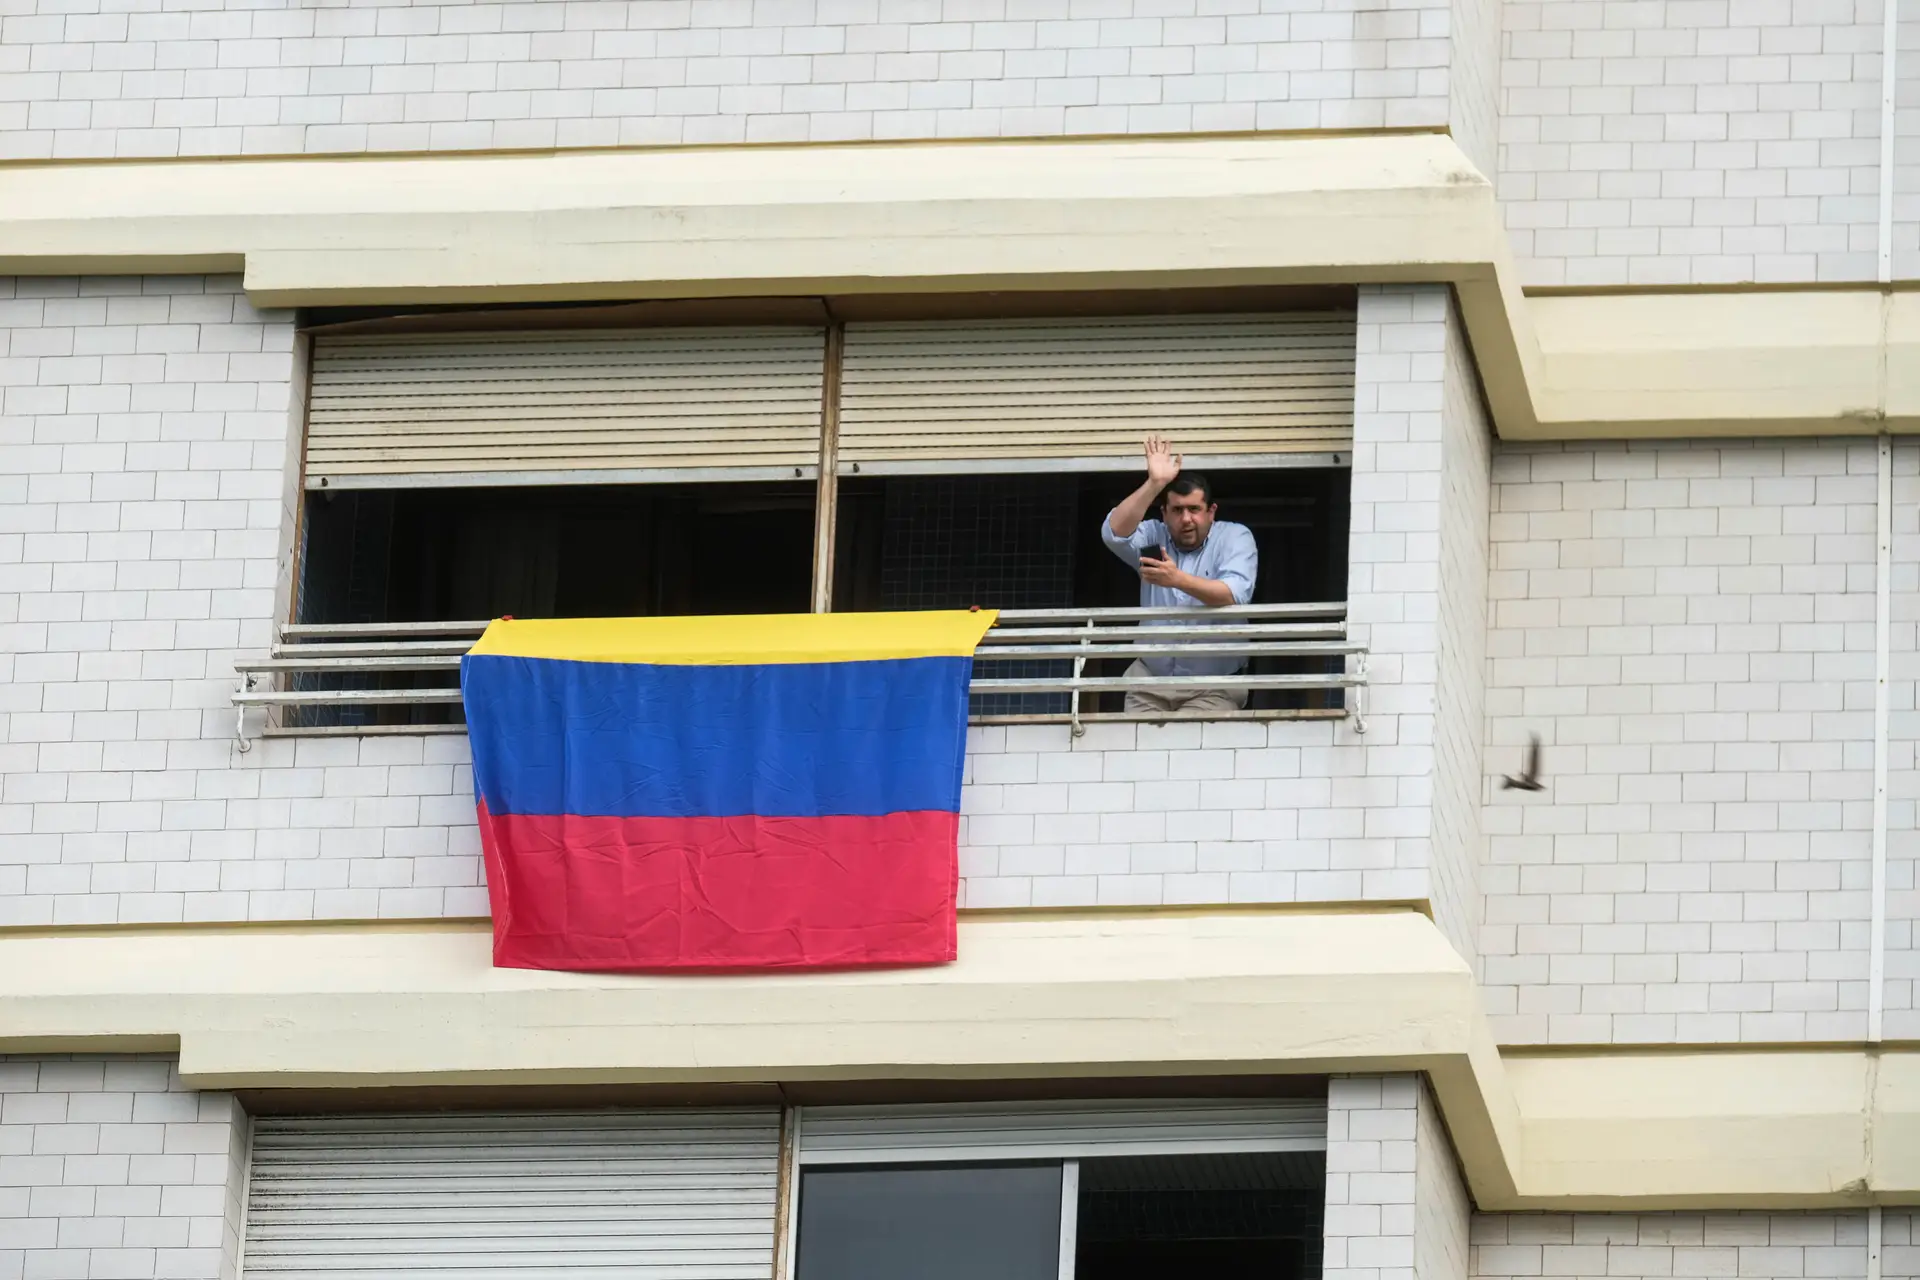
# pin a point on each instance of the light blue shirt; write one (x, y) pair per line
(1228, 555)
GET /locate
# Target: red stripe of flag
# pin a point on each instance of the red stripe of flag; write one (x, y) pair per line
(629, 893)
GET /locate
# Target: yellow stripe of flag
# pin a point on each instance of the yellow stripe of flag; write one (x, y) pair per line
(742, 640)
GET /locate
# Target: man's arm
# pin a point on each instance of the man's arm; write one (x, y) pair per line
(1163, 465)
(1238, 569)
(1212, 592)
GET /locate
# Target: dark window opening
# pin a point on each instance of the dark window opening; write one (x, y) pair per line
(1227, 1217)
(1032, 541)
(438, 555)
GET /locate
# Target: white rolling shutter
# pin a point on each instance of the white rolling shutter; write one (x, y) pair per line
(914, 395)
(460, 408)
(1071, 1130)
(681, 1194)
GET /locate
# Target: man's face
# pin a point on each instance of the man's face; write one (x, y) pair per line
(1189, 518)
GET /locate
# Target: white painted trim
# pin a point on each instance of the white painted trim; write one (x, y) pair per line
(1874, 1237)
(952, 1133)
(1069, 1217)
(246, 1197)
(585, 475)
(790, 1228)
(1882, 708)
(1889, 86)
(1109, 462)
(936, 1153)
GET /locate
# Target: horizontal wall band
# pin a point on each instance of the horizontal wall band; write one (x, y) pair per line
(1072, 996)
(813, 221)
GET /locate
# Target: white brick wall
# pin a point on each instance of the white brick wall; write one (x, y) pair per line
(1442, 1209)
(1752, 1245)
(109, 1170)
(144, 534)
(1691, 141)
(287, 77)
(1473, 81)
(144, 441)
(1690, 629)
(1396, 1207)
(1372, 1140)
(1903, 755)
(1906, 156)
(1459, 846)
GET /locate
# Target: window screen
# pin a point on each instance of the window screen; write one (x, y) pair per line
(975, 1222)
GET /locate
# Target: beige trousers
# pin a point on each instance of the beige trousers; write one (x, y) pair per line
(1191, 701)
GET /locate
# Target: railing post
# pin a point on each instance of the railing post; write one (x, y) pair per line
(1079, 670)
(1360, 692)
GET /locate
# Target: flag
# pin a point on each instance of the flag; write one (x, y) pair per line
(759, 792)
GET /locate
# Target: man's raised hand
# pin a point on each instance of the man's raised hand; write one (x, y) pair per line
(1163, 464)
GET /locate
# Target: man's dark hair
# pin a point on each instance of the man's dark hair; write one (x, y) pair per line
(1190, 482)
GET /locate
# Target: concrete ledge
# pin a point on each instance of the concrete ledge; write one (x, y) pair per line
(968, 217)
(1077, 996)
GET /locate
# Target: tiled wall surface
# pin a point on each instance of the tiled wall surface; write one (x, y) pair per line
(1373, 1127)
(1903, 752)
(1460, 691)
(1753, 1245)
(1690, 629)
(1691, 141)
(288, 77)
(150, 428)
(1442, 1208)
(1396, 1206)
(112, 1171)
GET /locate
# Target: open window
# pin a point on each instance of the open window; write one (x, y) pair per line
(455, 475)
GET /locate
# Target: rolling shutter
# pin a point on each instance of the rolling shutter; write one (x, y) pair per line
(682, 1194)
(916, 395)
(459, 408)
(1013, 1131)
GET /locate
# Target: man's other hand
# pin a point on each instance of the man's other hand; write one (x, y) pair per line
(1163, 464)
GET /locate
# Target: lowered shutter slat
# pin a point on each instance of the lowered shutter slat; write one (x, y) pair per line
(628, 400)
(986, 1131)
(980, 390)
(653, 1194)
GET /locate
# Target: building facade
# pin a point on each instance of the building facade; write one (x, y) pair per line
(1562, 355)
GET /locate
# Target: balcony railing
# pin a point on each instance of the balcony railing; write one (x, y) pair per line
(358, 678)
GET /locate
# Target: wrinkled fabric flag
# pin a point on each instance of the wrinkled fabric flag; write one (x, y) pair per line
(764, 792)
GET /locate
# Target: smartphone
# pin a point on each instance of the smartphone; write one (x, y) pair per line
(1155, 552)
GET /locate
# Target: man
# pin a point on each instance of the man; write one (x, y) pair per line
(1207, 564)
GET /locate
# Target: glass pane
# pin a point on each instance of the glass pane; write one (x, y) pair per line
(1222, 1217)
(973, 1222)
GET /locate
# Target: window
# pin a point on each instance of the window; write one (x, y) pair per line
(1098, 1190)
(964, 1222)
(431, 555)
(456, 476)
(1227, 1216)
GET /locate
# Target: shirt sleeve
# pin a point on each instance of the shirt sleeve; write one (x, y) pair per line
(1240, 565)
(1150, 533)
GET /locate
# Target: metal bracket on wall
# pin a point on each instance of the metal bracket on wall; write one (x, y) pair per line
(240, 716)
(1359, 691)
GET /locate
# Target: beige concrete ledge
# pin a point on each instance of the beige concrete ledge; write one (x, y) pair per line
(967, 217)
(1074, 997)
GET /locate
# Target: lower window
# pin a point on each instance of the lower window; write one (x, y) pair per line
(1233, 1216)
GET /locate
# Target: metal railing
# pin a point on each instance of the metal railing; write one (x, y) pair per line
(343, 677)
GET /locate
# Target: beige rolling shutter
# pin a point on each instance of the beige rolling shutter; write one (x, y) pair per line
(450, 408)
(914, 395)
(1033, 1131)
(643, 1194)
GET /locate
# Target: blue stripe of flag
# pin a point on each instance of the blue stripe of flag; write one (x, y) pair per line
(607, 739)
